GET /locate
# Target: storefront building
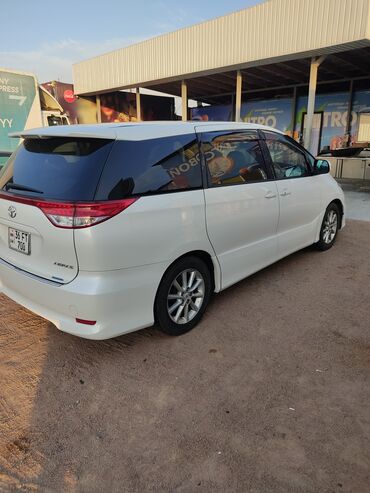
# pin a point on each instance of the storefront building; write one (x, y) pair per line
(300, 66)
(330, 116)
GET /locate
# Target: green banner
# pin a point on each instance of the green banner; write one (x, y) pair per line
(17, 93)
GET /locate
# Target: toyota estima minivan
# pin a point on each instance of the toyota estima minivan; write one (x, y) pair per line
(106, 229)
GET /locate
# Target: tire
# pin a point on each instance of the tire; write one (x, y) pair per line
(329, 228)
(177, 309)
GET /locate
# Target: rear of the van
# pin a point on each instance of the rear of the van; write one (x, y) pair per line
(47, 194)
(90, 221)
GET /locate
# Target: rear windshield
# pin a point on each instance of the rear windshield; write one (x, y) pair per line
(56, 168)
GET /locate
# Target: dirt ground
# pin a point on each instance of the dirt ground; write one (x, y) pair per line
(270, 393)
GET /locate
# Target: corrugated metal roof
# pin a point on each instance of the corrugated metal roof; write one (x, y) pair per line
(272, 31)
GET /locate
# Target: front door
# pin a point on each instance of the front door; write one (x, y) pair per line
(299, 193)
(242, 206)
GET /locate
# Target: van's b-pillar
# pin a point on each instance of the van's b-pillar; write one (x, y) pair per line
(184, 101)
(238, 95)
(315, 64)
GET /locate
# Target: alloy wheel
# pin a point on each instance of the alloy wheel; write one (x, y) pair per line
(330, 227)
(185, 296)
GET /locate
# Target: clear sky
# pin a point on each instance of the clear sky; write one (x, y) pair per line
(46, 37)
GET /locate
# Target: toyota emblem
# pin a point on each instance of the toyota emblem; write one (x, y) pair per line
(12, 211)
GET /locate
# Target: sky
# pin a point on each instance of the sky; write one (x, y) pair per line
(47, 37)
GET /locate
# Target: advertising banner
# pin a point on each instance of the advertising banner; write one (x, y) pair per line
(335, 110)
(65, 96)
(219, 113)
(276, 113)
(118, 107)
(17, 94)
(157, 107)
(121, 107)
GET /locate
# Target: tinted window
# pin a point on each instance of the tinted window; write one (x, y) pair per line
(151, 166)
(56, 168)
(233, 158)
(288, 161)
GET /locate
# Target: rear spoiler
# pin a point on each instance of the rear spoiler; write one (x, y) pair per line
(100, 131)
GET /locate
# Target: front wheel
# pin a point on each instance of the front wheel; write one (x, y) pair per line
(183, 296)
(329, 228)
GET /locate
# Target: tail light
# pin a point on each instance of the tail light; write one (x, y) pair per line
(83, 215)
(75, 215)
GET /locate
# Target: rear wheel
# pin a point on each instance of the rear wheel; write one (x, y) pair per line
(183, 296)
(329, 228)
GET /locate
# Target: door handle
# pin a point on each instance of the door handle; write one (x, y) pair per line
(270, 195)
(285, 193)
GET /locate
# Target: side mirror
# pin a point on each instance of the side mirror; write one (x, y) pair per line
(321, 167)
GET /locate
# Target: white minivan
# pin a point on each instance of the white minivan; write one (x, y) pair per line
(106, 229)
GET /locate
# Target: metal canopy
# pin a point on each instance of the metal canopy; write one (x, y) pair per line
(272, 32)
(218, 88)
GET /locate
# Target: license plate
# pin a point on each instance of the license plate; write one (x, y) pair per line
(19, 241)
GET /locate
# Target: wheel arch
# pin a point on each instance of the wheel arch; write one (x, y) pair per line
(211, 262)
(207, 259)
(197, 255)
(339, 203)
(320, 218)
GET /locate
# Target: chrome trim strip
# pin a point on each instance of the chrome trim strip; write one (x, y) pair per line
(28, 274)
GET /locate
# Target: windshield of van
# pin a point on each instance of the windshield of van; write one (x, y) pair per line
(58, 168)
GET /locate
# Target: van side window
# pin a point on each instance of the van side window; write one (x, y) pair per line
(233, 158)
(288, 161)
(151, 166)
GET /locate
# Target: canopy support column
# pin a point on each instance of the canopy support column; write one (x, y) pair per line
(349, 115)
(294, 111)
(315, 64)
(184, 101)
(238, 95)
(98, 108)
(138, 104)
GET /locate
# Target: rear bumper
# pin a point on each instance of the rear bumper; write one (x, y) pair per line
(120, 301)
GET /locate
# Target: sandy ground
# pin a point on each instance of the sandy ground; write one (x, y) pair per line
(270, 393)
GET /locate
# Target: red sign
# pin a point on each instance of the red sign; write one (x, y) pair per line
(69, 96)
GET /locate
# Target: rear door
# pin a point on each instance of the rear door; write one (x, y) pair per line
(39, 187)
(242, 206)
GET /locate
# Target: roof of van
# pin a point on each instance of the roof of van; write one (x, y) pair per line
(135, 130)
